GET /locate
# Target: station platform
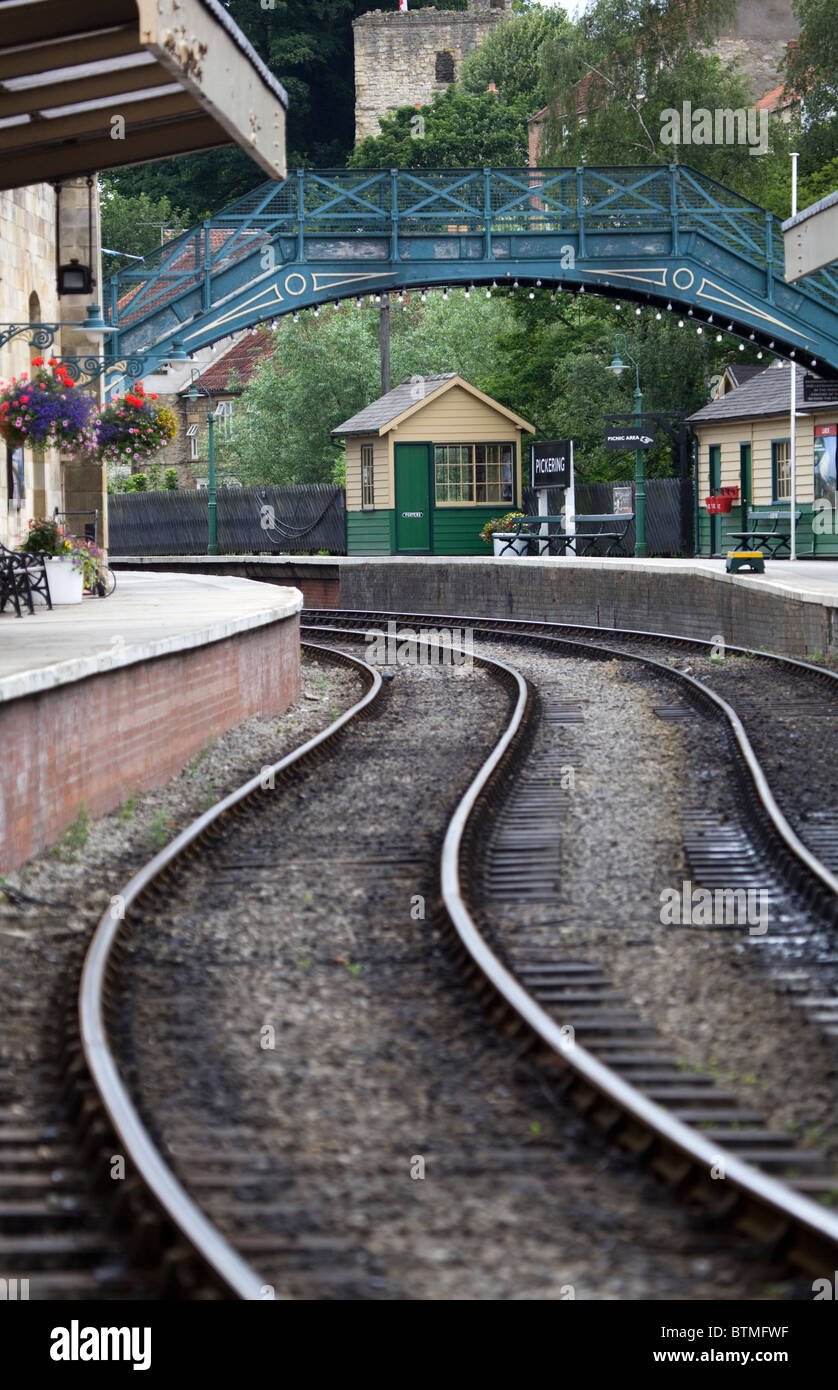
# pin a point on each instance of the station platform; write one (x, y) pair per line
(791, 609)
(109, 696)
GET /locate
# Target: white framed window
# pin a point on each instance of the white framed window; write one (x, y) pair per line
(224, 414)
(192, 436)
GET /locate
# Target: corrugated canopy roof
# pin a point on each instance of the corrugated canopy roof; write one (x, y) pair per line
(179, 73)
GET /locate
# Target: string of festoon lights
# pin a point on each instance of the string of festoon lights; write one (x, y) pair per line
(709, 326)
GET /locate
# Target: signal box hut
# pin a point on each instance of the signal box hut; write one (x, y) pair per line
(427, 465)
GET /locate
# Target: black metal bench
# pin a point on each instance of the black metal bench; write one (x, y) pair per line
(22, 576)
(770, 538)
(581, 543)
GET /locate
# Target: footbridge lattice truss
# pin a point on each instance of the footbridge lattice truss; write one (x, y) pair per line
(664, 236)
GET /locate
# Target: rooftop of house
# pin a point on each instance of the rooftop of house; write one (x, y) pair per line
(408, 395)
(766, 393)
(240, 363)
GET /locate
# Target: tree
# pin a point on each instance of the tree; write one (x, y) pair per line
(812, 77)
(133, 224)
(326, 368)
(510, 56)
(456, 131)
(626, 65)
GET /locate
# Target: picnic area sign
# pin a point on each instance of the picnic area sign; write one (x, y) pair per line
(620, 435)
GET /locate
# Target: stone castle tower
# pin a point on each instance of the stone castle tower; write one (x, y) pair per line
(759, 37)
(405, 59)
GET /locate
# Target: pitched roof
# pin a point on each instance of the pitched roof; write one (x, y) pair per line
(767, 393)
(411, 394)
(244, 358)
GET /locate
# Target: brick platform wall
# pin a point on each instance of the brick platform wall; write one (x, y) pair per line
(691, 605)
(96, 741)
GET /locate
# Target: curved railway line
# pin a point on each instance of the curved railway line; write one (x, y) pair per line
(562, 1009)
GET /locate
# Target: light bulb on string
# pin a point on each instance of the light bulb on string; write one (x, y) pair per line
(699, 330)
(718, 337)
(680, 323)
(658, 315)
(638, 312)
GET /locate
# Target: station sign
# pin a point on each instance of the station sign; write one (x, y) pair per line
(625, 436)
(550, 461)
(817, 391)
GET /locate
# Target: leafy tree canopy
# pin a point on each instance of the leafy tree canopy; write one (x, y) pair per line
(457, 131)
(136, 225)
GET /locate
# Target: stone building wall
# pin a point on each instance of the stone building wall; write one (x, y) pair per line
(404, 59)
(29, 294)
(758, 39)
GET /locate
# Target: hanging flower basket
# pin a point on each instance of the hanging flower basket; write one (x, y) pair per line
(133, 427)
(732, 491)
(48, 411)
(718, 505)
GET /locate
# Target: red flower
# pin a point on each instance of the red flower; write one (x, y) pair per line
(37, 361)
(69, 384)
(53, 362)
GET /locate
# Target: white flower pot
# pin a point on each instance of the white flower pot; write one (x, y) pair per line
(65, 583)
(508, 548)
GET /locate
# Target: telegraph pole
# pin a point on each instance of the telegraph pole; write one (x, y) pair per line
(384, 341)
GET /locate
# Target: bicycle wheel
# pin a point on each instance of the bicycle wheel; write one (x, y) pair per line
(105, 582)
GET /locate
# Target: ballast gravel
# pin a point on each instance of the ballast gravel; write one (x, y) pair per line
(705, 990)
(297, 1034)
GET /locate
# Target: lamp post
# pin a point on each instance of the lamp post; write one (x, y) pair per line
(618, 366)
(195, 392)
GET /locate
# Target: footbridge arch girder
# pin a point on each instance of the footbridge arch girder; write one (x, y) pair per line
(668, 238)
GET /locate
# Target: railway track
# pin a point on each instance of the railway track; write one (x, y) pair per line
(607, 1059)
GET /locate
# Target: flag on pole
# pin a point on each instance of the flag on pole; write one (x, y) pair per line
(402, 6)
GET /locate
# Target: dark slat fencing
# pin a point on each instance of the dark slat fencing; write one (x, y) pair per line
(663, 511)
(251, 521)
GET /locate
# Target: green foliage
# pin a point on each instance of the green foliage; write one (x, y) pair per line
(467, 126)
(628, 61)
(132, 223)
(170, 480)
(327, 368)
(76, 835)
(457, 131)
(511, 58)
(812, 76)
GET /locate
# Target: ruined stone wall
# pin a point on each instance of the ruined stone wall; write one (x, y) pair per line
(758, 39)
(405, 59)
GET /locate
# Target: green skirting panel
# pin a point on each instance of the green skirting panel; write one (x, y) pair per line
(370, 533)
(819, 541)
(454, 531)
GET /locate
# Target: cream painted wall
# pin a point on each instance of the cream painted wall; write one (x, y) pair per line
(759, 434)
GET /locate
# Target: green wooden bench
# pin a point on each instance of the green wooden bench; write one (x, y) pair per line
(582, 543)
(774, 539)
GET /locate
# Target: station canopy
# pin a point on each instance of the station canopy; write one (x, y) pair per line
(92, 84)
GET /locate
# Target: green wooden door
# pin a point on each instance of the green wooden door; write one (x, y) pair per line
(413, 499)
(715, 482)
(745, 485)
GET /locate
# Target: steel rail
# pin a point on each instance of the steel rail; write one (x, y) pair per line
(827, 879)
(224, 1263)
(766, 1192)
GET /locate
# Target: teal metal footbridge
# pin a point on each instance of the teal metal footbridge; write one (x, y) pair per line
(666, 237)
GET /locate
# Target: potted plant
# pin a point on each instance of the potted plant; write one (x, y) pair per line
(64, 558)
(133, 427)
(504, 524)
(47, 411)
